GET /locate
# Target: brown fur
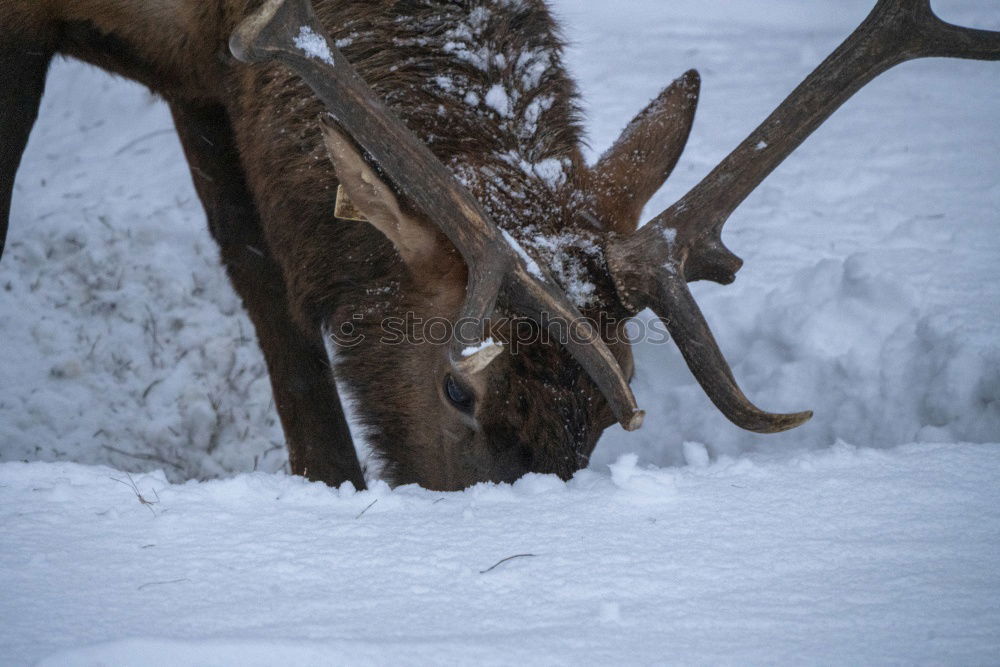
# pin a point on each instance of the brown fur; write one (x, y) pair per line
(261, 169)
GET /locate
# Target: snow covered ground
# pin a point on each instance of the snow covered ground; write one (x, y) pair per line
(870, 294)
(847, 556)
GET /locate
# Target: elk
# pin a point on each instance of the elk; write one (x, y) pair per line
(362, 159)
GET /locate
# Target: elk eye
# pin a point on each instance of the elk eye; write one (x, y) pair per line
(460, 397)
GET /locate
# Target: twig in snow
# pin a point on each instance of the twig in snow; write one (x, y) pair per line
(135, 489)
(160, 583)
(367, 508)
(151, 328)
(150, 387)
(216, 435)
(504, 560)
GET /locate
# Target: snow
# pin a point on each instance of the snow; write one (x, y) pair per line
(314, 45)
(841, 556)
(497, 99)
(551, 171)
(870, 294)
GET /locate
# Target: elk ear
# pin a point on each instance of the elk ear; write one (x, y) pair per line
(418, 243)
(640, 161)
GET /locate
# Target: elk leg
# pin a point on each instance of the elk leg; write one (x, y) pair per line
(24, 68)
(319, 441)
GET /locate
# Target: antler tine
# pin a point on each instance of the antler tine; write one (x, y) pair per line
(668, 295)
(289, 31)
(684, 243)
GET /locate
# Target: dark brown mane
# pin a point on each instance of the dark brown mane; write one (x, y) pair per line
(482, 82)
(452, 54)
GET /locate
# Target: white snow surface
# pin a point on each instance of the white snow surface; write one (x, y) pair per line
(841, 556)
(870, 294)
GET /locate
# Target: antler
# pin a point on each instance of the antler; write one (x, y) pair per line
(652, 266)
(288, 31)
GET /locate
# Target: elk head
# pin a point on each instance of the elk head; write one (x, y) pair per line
(565, 395)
